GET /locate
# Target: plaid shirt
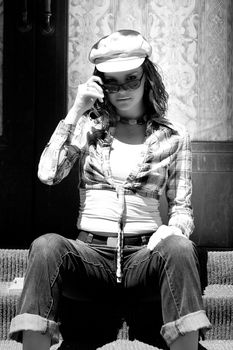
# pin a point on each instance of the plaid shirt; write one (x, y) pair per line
(165, 164)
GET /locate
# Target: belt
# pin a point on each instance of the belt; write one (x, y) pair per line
(137, 240)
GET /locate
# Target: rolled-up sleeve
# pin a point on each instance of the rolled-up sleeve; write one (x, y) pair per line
(61, 152)
(179, 187)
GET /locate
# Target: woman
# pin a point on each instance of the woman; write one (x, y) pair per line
(128, 154)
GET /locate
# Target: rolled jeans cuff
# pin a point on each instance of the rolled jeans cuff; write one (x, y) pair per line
(188, 323)
(30, 322)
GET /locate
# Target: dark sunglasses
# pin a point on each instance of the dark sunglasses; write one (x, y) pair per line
(130, 85)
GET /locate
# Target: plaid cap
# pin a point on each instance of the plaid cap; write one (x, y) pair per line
(120, 51)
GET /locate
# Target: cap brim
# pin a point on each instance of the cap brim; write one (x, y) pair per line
(120, 64)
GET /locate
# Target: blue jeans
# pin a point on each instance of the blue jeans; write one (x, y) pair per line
(61, 269)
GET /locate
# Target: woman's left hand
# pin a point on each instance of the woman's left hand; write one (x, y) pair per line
(163, 232)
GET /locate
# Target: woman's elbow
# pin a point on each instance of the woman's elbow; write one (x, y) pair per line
(45, 177)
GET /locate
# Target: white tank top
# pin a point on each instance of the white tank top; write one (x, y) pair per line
(123, 158)
(99, 209)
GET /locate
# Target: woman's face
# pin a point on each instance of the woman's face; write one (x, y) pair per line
(128, 102)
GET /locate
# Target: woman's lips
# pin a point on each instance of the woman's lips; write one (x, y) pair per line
(123, 99)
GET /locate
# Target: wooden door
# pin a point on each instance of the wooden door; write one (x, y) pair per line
(34, 99)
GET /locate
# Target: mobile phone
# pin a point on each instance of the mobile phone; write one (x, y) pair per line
(95, 111)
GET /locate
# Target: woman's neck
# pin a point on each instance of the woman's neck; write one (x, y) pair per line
(131, 127)
(131, 134)
(132, 121)
(133, 113)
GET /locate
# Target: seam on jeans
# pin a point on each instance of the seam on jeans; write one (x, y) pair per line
(171, 289)
(166, 272)
(38, 279)
(53, 279)
(49, 308)
(78, 256)
(136, 263)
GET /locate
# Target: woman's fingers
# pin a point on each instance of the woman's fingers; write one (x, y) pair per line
(89, 92)
(95, 89)
(163, 232)
(93, 85)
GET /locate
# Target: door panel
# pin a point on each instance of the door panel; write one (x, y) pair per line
(34, 99)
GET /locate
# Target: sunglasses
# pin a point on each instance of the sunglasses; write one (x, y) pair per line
(130, 85)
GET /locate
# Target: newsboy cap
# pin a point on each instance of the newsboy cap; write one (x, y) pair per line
(120, 51)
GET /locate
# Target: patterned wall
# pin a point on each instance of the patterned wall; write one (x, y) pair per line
(192, 45)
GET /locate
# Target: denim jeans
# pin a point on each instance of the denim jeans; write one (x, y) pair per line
(70, 288)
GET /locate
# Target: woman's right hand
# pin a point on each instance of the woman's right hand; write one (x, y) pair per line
(88, 93)
(86, 96)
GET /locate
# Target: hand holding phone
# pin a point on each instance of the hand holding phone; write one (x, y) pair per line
(88, 93)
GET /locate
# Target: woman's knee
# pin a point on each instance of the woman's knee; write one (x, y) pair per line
(179, 247)
(46, 245)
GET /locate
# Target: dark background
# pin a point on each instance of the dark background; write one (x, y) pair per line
(34, 100)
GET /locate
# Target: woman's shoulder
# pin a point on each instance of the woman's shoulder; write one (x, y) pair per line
(172, 127)
(179, 128)
(171, 132)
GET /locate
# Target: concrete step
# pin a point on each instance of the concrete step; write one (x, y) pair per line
(218, 303)
(128, 345)
(220, 267)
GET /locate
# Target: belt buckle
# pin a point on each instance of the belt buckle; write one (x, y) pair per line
(112, 242)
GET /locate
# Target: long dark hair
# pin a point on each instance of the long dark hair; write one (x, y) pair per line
(155, 98)
(155, 95)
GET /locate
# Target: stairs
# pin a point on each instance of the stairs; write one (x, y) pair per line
(218, 301)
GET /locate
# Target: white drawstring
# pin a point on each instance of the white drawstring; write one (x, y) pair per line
(120, 235)
(120, 191)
